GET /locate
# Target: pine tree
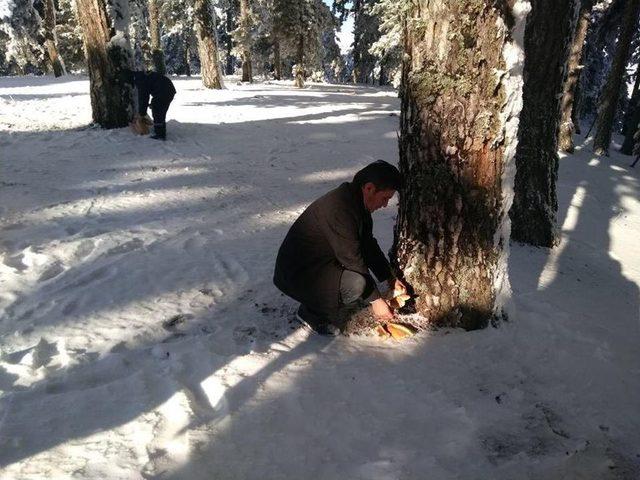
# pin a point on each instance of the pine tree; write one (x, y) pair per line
(51, 39)
(388, 48)
(459, 117)
(550, 25)
(597, 54)
(298, 27)
(178, 40)
(365, 34)
(567, 126)
(611, 91)
(244, 38)
(23, 27)
(205, 23)
(70, 38)
(108, 53)
(632, 117)
(157, 54)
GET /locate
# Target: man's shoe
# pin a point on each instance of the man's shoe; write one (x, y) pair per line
(155, 136)
(316, 323)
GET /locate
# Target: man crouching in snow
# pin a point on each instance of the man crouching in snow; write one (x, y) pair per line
(324, 260)
(162, 91)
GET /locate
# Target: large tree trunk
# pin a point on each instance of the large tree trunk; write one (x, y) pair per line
(51, 40)
(611, 90)
(108, 54)
(154, 32)
(546, 47)
(207, 44)
(567, 122)
(631, 118)
(461, 96)
(245, 25)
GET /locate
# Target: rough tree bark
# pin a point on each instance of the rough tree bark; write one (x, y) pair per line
(245, 25)
(547, 37)
(207, 44)
(157, 54)
(611, 90)
(567, 123)
(51, 39)
(632, 117)
(461, 96)
(108, 54)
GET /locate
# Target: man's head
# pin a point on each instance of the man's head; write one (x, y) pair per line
(378, 181)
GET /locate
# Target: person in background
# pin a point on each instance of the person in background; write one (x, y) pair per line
(161, 91)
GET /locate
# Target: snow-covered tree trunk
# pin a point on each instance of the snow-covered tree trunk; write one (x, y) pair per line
(611, 91)
(51, 39)
(207, 44)
(632, 117)
(461, 96)
(245, 25)
(154, 33)
(108, 53)
(550, 25)
(569, 93)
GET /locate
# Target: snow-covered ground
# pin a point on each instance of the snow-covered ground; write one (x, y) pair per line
(141, 336)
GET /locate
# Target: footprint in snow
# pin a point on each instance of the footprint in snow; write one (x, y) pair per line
(126, 247)
(16, 262)
(52, 271)
(84, 249)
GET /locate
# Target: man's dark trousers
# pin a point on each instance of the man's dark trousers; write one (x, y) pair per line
(159, 109)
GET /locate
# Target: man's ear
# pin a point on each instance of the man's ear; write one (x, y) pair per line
(369, 187)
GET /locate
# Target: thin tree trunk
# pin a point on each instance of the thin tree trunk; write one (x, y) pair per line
(299, 71)
(567, 123)
(277, 62)
(611, 90)
(247, 74)
(51, 40)
(229, 43)
(632, 117)
(576, 110)
(546, 47)
(111, 98)
(458, 124)
(154, 32)
(187, 56)
(205, 24)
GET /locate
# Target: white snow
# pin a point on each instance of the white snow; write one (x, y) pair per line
(141, 336)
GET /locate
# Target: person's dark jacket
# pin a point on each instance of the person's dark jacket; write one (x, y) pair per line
(155, 85)
(334, 233)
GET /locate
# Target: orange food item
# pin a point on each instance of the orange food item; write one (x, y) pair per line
(380, 330)
(399, 331)
(399, 301)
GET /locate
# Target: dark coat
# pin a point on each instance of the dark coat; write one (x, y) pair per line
(334, 233)
(155, 85)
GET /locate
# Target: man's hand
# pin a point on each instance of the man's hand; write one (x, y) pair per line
(397, 287)
(381, 310)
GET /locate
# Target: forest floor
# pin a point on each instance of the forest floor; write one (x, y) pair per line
(141, 335)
